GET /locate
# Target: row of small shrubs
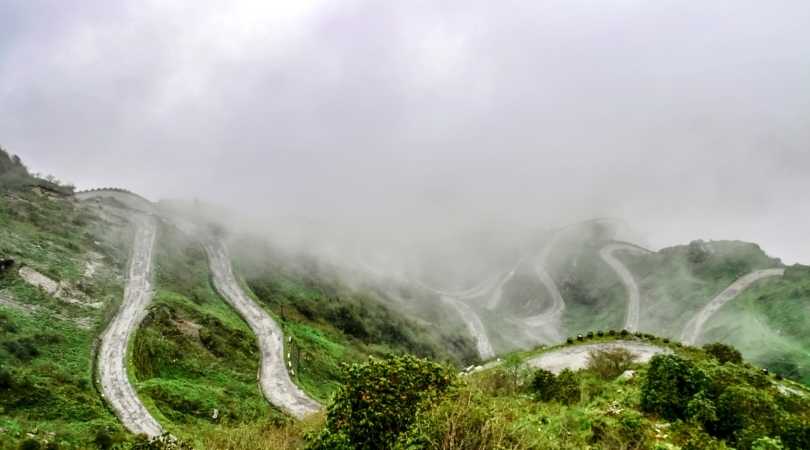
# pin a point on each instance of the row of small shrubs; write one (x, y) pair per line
(622, 333)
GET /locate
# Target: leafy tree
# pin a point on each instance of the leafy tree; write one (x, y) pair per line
(670, 384)
(724, 353)
(379, 401)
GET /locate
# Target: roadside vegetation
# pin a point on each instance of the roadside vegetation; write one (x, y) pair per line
(194, 360)
(387, 379)
(770, 324)
(331, 323)
(47, 339)
(677, 282)
(689, 399)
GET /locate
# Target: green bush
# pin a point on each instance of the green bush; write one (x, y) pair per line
(744, 414)
(24, 349)
(723, 353)
(544, 385)
(569, 391)
(5, 379)
(610, 362)
(670, 384)
(701, 409)
(766, 443)
(379, 401)
(700, 440)
(30, 444)
(464, 420)
(104, 439)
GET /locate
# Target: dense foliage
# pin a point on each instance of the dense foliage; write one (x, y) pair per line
(730, 402)
(379, 401)
(723, 353)
(670, 384)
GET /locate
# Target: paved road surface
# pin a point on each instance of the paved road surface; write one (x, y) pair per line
(576, 357)
(474, 326)
(274, 379)
(112, 355)
(633, 295)
(694, 328)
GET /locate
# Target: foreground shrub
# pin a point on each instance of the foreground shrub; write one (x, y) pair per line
(724, 353)
(544, 385)
(568, 388)
(379, 401)
(564, 388)
(766, 443)
(610, 362)
(745, 413)
(670, 384)
(465, 420)
(628, 430)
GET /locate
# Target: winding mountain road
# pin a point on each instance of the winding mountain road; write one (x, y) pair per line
(112, 354)
(576, 357)
(631, 318)
(274, 379)
(474, 326)
(550, 321)
(694, 328)
(552, 317)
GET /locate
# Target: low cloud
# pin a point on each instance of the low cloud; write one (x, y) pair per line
(415, 123)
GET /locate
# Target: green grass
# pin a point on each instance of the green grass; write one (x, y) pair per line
(46, 345)
(318, 358)
(594, 295)
(769, 324)
(330, 322)
(677, 282)
(496, 409)
(193, 354)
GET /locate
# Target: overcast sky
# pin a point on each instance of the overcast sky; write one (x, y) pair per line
(689, 119)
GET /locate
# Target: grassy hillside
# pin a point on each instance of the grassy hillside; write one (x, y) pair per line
(47, 340)
(770, 324)
(691, 399)
(594, 296)
(194, 359)
(677, 282)
(332, 323)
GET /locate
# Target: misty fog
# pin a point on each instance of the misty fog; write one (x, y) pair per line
(388, 129)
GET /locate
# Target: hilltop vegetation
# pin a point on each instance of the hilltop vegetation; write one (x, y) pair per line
(688, 399)
(14, 177)
(332, 323)
(48, 332)
(382, 356)
(769, 323)
(194, 359)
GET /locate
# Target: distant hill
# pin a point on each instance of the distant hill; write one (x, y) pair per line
(193, 360)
